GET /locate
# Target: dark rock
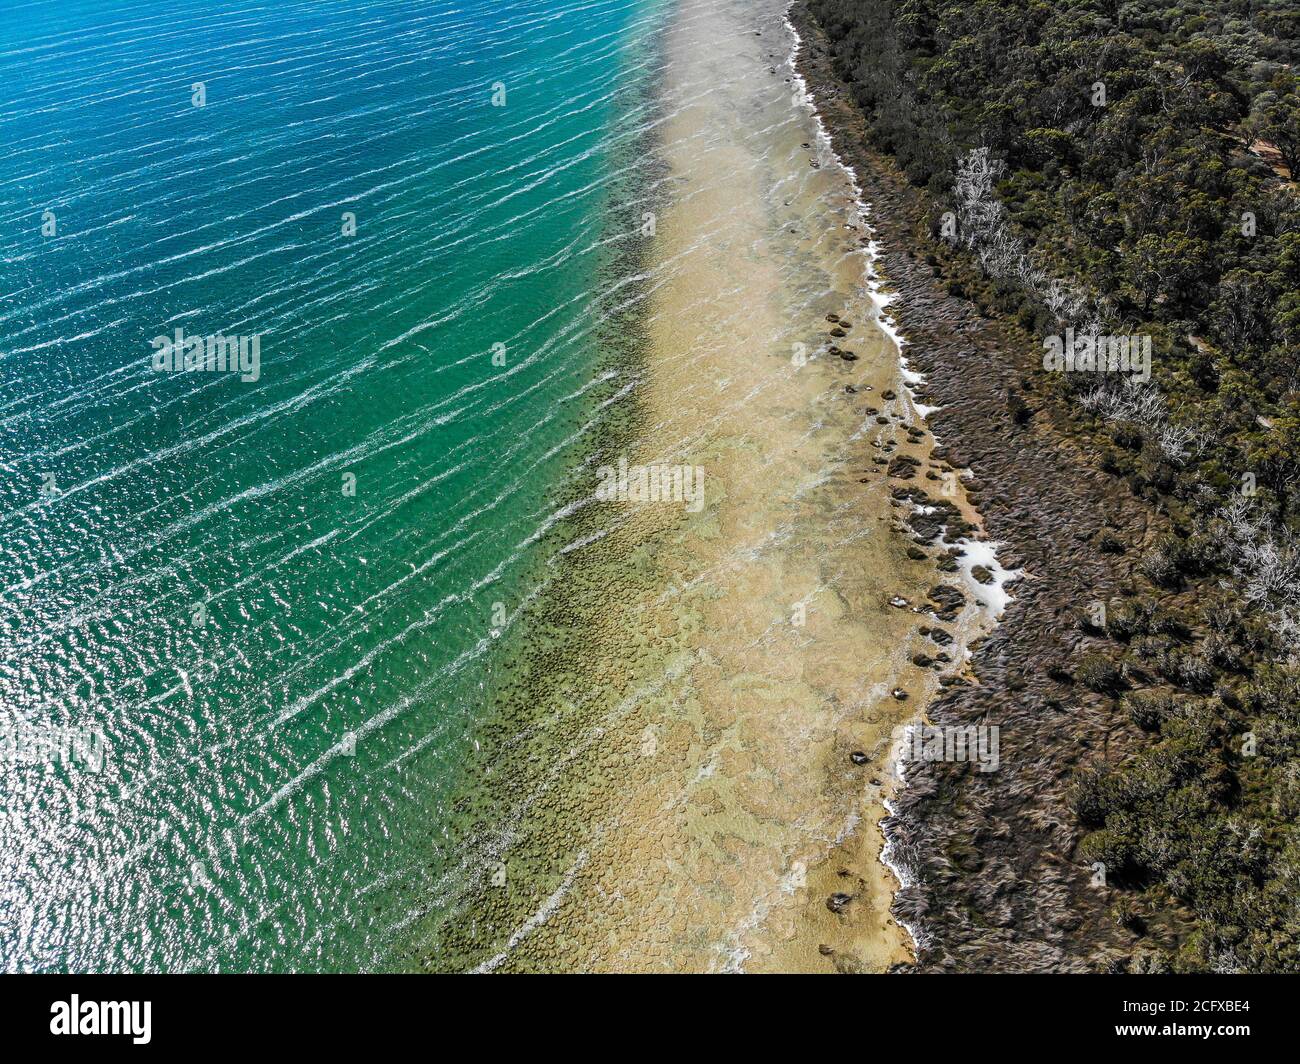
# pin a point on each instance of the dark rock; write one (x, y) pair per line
(947, 597)
(903, 467)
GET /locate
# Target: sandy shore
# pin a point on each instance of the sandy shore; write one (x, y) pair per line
(723, 686)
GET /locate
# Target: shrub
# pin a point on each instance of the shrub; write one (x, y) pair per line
(1148, 709)
(1129, 619)
(1100, 674)
(1088, 798)
(1126, 914)
(1111, 848)
(1186, 669)
(1160, 566)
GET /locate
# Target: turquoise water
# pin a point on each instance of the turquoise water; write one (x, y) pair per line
(281, 602)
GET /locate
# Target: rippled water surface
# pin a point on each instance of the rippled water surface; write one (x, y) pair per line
(282, 601)
(383, 683)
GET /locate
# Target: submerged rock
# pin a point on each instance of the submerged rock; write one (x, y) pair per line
(940, 636)
(948, 599)
(904, 467)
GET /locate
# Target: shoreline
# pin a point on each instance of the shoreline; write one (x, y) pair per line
(992, 877)
(798, 930)
(692, 802)
(913, 385)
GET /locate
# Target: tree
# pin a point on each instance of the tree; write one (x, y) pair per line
(1275, 119)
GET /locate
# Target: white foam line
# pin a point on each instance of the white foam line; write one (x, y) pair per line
(975, 552)
(994, 597)
(871, 253)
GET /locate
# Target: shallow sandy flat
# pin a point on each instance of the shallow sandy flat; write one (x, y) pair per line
(745, 650)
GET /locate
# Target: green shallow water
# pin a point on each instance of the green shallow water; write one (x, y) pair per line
(284, 605)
